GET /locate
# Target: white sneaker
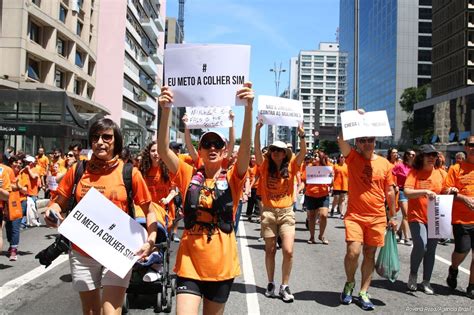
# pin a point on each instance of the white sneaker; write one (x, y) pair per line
(151, 276)
(286, 295)
(270, 292)
(412, 282)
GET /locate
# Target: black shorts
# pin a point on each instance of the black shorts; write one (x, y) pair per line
(312, 203)
(214, 291)
(338, 192)
(463, 237)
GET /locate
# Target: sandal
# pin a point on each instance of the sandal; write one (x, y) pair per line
(311, 242)
(323, 240)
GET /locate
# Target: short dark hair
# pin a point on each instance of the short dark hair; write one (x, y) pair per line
(75, 144)
(106, 124)
(406, 155)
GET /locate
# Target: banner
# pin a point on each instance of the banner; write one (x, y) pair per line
(201, 75)
(104, 232)
(280, 111)
(319, 175)
(208, 117)
(439, 216)
(370, 124)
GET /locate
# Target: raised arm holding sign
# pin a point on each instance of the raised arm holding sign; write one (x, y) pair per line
(369, 124)
(280, 111)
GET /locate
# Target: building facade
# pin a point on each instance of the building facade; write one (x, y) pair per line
(388, 44)
(49, 64)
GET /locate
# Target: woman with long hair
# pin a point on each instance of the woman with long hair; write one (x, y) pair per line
(423, 182)
(103, 172)
(340, 186)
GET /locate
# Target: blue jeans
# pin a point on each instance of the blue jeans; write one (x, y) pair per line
(424, 248)
(13, 232)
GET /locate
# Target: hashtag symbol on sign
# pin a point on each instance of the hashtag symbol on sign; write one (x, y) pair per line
(204, 67)
(111, 227)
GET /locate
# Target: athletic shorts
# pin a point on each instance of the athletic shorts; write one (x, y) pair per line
(339, 192)
(88, 274)
(314, 203)
(463, 237)
(401, 196)
(277, 221)
(369, 231)
(214, 291)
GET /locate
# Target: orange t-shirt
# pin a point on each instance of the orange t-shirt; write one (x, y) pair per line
(160, 189)
(32, 184)
(160, 213)
(198, 258)
(461, 176)
(421, 179)
(43, 163)
(315, 190)
(110, 184)
(5, 176)
(277, 192)
(252, 173)
(368, 181)
(341, 177)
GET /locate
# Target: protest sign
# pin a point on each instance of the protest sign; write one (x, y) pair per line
(319, 174)
(104, 232)
(370, 124)
(439, 216)
(201, 75)
(51, 182)
(208, 117)
(280, 111)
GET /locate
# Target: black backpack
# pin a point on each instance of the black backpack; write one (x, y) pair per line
(127, 180)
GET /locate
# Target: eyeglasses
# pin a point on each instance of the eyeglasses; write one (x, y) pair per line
(107, 138)
(470, 145)
(70, 155)
(366, 140)
(207, 144)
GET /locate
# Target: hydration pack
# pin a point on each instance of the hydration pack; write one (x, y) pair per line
(222, 205)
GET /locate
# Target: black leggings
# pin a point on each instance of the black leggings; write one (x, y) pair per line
(253, 202)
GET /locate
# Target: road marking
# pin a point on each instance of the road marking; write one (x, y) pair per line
(12, 285)
(447, 262)
(249, 278)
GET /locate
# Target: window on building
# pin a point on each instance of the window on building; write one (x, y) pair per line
(62, 14)
(90, 69)
(306, 64)
(331, 58)
(79, 27)
(424, 55)
(424, 69)
(306, 91)
(59, 79)
(33, 69)
(319, 58)
(330, 71)
(36, 2)
(331, 92)
(424, 41)
(330, 78)
(424, 27)
(61, 47)
(425, 2)
(330, 85)
(34, 32)
(318, 91)
(79, 59)
(305, 57)
(331, 64)
(330, 111)
(318, 77)
(330, 98)
(77, 87)
(424, 13)
(319, 64)
(305, 77)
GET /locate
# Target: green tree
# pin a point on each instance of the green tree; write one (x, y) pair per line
(330, 147)
(408, 99)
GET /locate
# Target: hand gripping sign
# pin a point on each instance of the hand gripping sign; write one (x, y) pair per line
(201, 75)
(280, 111)
(369, 124)
(104, 232)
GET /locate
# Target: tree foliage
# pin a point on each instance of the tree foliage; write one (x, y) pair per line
(408, 99)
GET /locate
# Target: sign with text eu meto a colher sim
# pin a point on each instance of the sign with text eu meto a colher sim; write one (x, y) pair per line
(369, 124)
(206, 75)
(104, 232)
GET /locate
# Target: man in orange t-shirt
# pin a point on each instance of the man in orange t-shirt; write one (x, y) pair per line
(371, 183)
(460, 182)
(43, 165)
(252, 199)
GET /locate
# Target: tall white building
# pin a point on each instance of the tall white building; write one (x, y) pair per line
(321, 86)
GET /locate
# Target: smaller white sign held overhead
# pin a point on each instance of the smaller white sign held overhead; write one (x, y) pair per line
(319, 174)
(208, 117)
(280, 111)
(206, 75)
(369, 124)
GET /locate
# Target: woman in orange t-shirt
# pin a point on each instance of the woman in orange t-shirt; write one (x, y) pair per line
(424, 181)
(207, 260)
(278, 169)
(340, 186)
(103, 172)
(157, 178)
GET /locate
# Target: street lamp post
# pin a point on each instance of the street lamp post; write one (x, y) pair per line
(277, 70)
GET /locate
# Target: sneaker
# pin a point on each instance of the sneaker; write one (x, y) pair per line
(408, 242)
(427, 288)
(151, 276)
(452, 280)
(365, 302)
(346, 295)
(176, 238)
(13, 254)
(286, 295)
(444, 241)
(412, 282)
(470, 291)
(401, 241)
(9, 251)
(270, 290)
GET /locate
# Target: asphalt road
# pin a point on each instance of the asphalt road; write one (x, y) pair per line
(316, 281)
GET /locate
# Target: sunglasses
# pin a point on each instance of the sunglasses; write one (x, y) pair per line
(279, 150)
(70, 155)
(432, 154)
(470, 145)
(366, 140)
(107, 138)
(207, 144)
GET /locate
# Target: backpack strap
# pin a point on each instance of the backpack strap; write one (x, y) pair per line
(127, 180)
(80, 167)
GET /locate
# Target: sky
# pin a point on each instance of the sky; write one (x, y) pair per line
(276, 30)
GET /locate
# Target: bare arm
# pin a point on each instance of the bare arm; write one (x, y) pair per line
(231, 136)
(300, 156)
(344, 146)
(256, 143)
(188, 141)
(411, 193)
(243, 157)
(33, 175)
(170, 159)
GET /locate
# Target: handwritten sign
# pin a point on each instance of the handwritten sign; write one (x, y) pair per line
(439, 216)
(370, 124)
(201, 75)
(208, 117)
(104, 232)
(280, 111)
(319, 174)
(51, 182)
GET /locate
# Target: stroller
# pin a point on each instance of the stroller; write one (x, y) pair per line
(165, 287)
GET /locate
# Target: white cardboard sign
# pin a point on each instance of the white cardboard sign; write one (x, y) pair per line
(369, 124)
(319, 174)
(104, 232)
(206, 75)
(280, 111)
(208, 117)
(52, 183)
(439, 216)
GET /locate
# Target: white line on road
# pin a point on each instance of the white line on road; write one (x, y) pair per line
(16, 283)
(447, 262)
(249, 278)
